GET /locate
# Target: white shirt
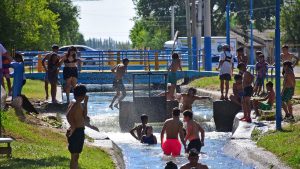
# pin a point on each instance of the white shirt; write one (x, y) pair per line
(226, 67)
(2, 51)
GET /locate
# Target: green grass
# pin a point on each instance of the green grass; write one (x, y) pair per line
(40, 148)
(213, 83)
(34, 89)
(285, 144)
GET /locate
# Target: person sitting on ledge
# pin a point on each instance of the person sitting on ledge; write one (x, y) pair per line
(237, 88)
(140, 129)
(193, 161)
(149, 138)
(270, 98)
(189, 98)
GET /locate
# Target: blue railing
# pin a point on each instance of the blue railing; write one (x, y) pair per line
(105, 60)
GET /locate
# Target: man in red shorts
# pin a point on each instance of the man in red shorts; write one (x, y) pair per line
(172, 127)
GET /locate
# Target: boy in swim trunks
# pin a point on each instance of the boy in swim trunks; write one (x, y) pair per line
(18, 75)
(174, 67)
(189, 98)
(149, 138)
(172, 127)
(248, 91)
(261, 70)
(242, 58)
(140, 129)
(192, 132)
(288, 91)
(286, 56)
(270, 98)
(193, 161)
(76, 115)
(238, 90)
(226, 69)
(118, 85)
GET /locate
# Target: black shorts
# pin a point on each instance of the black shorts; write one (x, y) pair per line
(226, 77)
(70, 72)
(248, 91)
(195, 144)
(76, 141)
(118, 85)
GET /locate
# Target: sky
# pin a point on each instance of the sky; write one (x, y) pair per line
(106, 18)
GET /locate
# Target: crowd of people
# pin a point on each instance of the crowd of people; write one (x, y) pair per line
(188, 131)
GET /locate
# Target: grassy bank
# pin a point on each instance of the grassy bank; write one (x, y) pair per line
(37, 147)
(34, 89)
(213, 83)
(286, 144)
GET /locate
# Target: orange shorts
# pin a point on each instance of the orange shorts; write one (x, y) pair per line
(172, 147)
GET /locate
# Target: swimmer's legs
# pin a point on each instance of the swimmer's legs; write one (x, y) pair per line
(114, 99)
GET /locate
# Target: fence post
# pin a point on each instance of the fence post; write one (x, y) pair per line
(39, 65)
(118, 57)
(156, 61)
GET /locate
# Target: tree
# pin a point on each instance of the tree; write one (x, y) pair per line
(290, 23)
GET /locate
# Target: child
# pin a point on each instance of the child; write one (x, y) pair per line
(189, 98)
(52, 71)
(6, 60)
(171, 165)
(18, 75)
(174, 67)
(168, 94)
(288, 91)
(118, 85)
(140, 129)
(286, 56)
(76, 115)
(149, 138)
(242, 58)
(226, 70)
(193, 161)
(261, 70)
(248, 91)
(193, 130)
(238, 90)
(270, 98)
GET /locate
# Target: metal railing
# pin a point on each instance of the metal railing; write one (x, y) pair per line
(142, 60)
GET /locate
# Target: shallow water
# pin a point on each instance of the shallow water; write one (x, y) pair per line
(138, 156)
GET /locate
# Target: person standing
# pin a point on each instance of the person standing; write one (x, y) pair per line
(52, 71)
(5, 64)
(241, 57)
(55, 49)
(70, 71)
(287, 56)
(261, 72)
(18, 75)
(226, 65)
(118, 85)
(172, 72)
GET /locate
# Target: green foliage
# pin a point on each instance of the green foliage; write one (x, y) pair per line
(37, 147)
(284, 144)
(290, 22)
(35, 25)
(107, 44)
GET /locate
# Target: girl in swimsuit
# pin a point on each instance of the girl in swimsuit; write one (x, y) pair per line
(70, 71)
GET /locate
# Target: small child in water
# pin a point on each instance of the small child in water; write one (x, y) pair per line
(149, 138)
(189, 98)
(270, 98)
(140, 129)
(193, 161)
(237, 88)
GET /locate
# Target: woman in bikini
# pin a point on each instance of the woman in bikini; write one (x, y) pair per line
(70, 71)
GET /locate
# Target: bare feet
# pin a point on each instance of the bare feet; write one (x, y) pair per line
(226, 97)
(111, 107)
(222, 97)
(116, 106)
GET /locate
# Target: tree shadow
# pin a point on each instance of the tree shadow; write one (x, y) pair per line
(55, 161)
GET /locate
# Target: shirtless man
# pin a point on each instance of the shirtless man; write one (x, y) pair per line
(193, 161)
(140, 129)
(55, 49)
(76, 115)
(288, 91)
(270, 98)
(286, 56)
(118, 85)
(192, 132)
(172, 127)
(174, 67)
(248, 91)
(189, 98)
(242, 58)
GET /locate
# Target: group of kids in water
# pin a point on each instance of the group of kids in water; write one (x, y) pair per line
(173, 127)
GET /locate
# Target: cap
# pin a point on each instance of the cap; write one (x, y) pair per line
(55, 46)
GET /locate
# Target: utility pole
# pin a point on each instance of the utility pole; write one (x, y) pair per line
(194, 36)
(251, 34)
(207, 35)
(172, 21)
(199, 29)
(189, 33)
(228, 22)
(194, 18)
(277, 66)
